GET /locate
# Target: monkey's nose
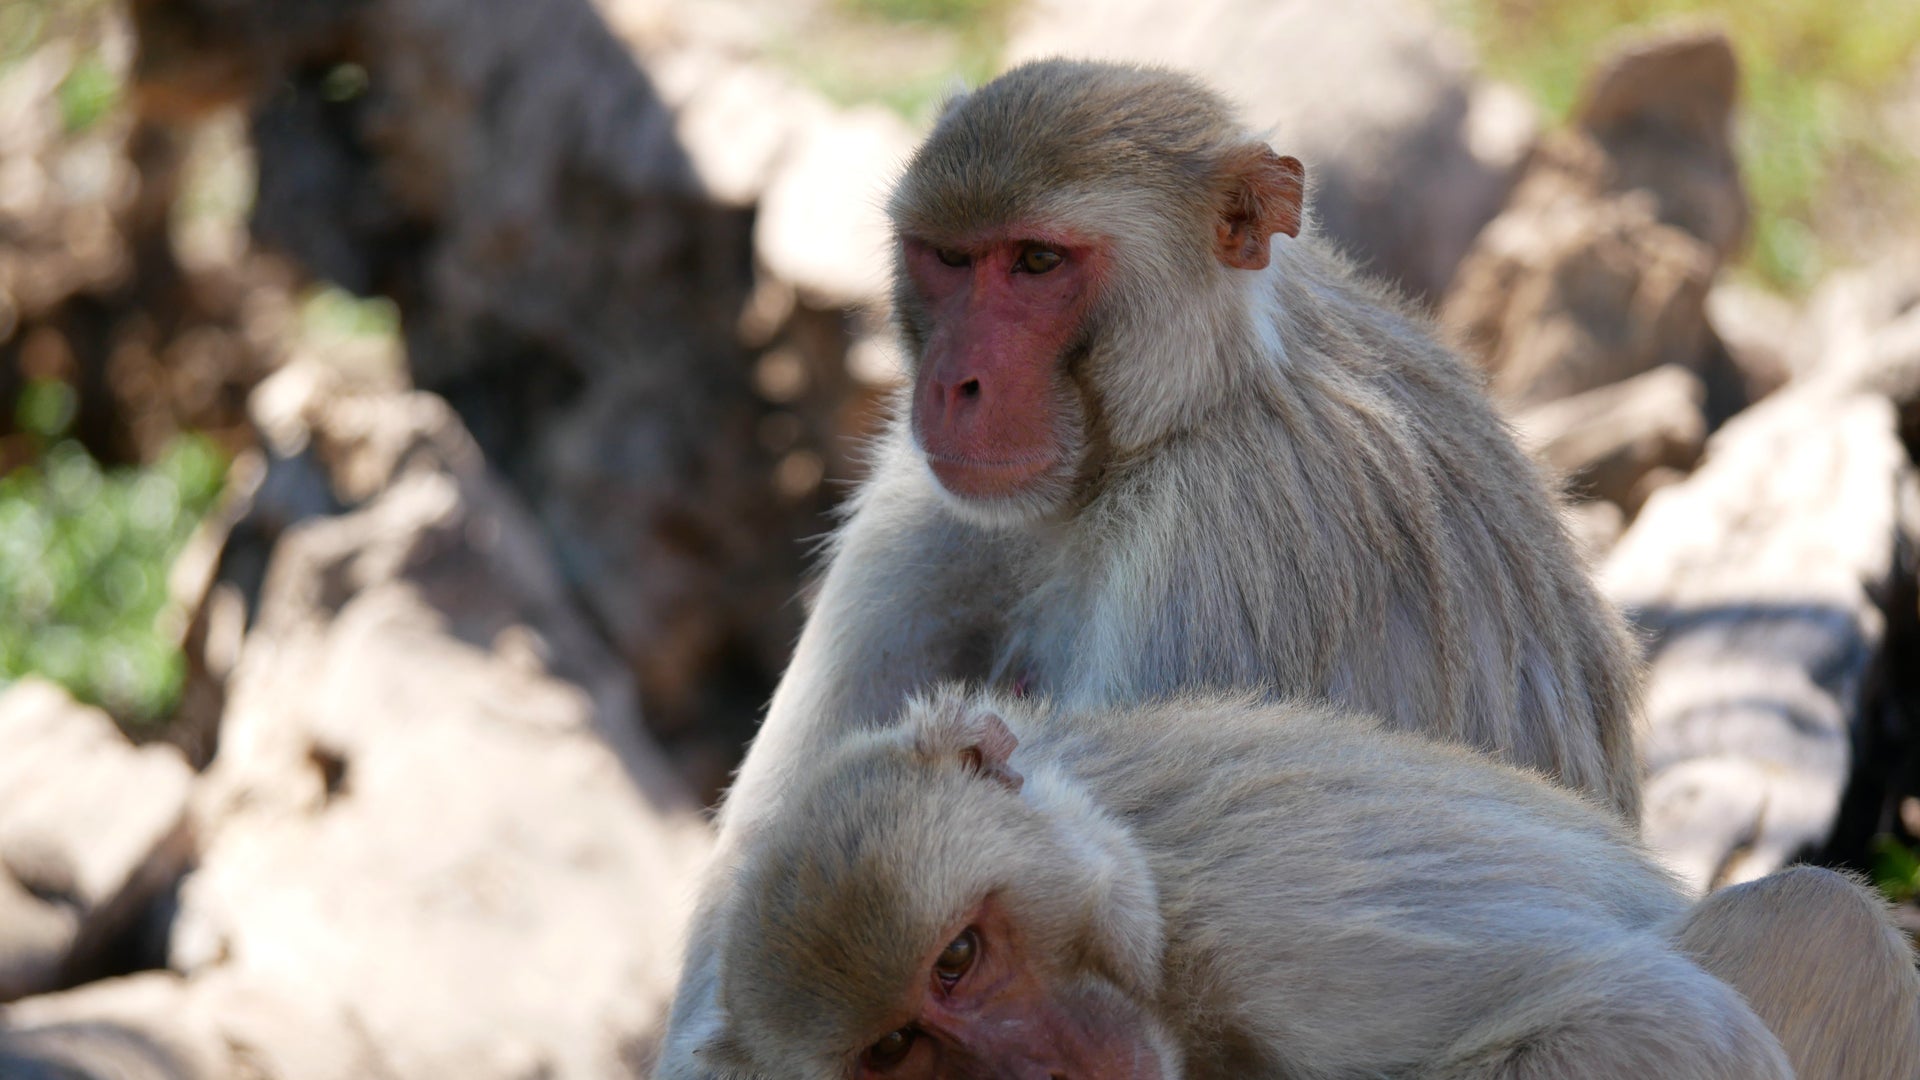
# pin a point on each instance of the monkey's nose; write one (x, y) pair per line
(958, 397)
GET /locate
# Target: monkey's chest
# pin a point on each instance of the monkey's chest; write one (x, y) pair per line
(1084, 641)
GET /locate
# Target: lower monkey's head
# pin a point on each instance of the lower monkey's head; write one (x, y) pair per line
(924, 911)
(1073, 238)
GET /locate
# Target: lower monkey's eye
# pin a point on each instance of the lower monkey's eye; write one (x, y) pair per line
(949, 257)
(890, 1050)
(957, 957)
(1038, 260)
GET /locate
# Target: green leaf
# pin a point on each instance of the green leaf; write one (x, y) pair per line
(84, 558)
(46, 408)
(89, 92)
(1896, 868)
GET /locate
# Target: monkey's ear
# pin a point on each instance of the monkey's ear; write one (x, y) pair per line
(991, 749)
(1261, 194)
(975, 735)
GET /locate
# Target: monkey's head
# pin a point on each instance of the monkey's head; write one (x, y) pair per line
(1076, 246)
(923, 910)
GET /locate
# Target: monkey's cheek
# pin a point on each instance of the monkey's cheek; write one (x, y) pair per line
(1089, 1032)
(1101, 1049)
(1126, 1055)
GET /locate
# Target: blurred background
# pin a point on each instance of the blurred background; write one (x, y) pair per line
(416, 417)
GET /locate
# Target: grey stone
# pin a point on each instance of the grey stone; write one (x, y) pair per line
(433, 811)
(1758, 580)
(1405, 161)
(92, 830)
(1604, 442)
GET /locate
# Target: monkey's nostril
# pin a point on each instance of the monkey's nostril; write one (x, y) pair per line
(969, 389)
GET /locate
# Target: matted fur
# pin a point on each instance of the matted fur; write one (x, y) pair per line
(1319, 898)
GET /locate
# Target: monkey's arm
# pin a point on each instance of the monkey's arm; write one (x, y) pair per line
(910, 597)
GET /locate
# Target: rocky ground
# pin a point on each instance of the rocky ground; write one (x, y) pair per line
(476, 633)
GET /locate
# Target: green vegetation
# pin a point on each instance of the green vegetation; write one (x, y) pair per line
(907, 55)
(1813, 73)
(329, 313)
(84, 556)
(88, 93)
(1896, 869)
(956, 14)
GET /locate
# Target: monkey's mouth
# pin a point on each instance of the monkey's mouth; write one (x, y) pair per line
(973, 478)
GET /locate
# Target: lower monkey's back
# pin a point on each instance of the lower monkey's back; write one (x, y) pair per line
(1358, 865)
(1424, 879)
(1213, 782)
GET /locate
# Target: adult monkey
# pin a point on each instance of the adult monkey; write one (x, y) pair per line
(1148, 449)
(1213, 887)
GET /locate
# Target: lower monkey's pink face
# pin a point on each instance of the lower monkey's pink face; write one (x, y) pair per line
(982, 1009)
(994, 408)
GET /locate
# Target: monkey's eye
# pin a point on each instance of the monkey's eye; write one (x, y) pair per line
(891, 1050)
(956, 958)
(1037, 260)
(950, 257)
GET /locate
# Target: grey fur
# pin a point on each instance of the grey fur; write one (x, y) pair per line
(1280, 890)
(1284, 482)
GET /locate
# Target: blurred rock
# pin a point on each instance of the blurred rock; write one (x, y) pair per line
(1661, 107)
(816, 320)
(819, 173)
(822, 225)
(573, 283)
(431, 813)
(91, 292)
(736, 120)
(1599, 266)
(36, 936)
(55, 241)
(1595, 526)
(1758, 329)
(1656, 478)
(158, 1026)
(212, 586)
(1602, 443)
(1862, 330)
(1758, 580)
(1562, 295)
(1405, 159)
(92, 831)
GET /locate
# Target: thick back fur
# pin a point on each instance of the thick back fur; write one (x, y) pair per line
(1299, 487)
(1320, 898)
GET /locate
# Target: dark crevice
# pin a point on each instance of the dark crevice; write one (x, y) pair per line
(332, 766)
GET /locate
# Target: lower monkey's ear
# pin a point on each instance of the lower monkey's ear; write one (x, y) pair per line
(974, 735)
(1261, 193)
(991, 748)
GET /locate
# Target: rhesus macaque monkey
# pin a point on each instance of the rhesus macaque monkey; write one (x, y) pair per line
(1147, 447)
(1215, 887)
